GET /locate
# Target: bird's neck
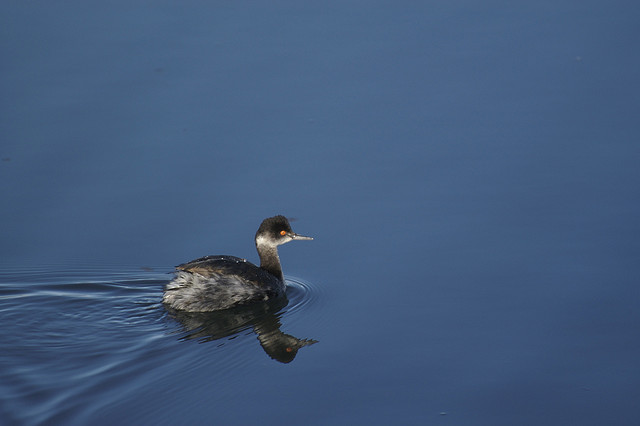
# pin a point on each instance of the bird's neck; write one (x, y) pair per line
(269, 260)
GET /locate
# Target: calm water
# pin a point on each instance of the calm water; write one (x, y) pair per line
(469, 172)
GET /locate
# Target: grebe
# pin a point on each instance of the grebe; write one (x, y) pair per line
(212, 283)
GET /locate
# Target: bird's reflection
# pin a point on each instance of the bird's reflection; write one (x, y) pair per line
(262, 317)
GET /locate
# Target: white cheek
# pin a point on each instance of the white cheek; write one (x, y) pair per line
(266, 241)
(262, 240)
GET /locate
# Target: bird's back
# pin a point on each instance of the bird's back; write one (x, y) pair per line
(212, 283)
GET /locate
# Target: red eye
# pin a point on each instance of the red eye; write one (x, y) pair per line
(283, 232)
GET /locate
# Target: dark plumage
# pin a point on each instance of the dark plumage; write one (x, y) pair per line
(212, 283)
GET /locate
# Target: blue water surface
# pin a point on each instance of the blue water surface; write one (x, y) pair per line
(469, 172)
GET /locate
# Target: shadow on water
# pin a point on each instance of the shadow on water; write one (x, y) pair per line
(262, 317)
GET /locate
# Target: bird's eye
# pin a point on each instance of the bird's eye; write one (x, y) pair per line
(283, 232)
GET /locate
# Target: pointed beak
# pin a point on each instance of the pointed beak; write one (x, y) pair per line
(295, 236)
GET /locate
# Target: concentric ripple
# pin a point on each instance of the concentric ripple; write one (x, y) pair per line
(301, 294)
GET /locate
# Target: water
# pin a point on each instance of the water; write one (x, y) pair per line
(469, 174)
(90, 340)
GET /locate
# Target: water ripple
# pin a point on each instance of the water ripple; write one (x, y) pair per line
(301, 294)
(78, 340)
